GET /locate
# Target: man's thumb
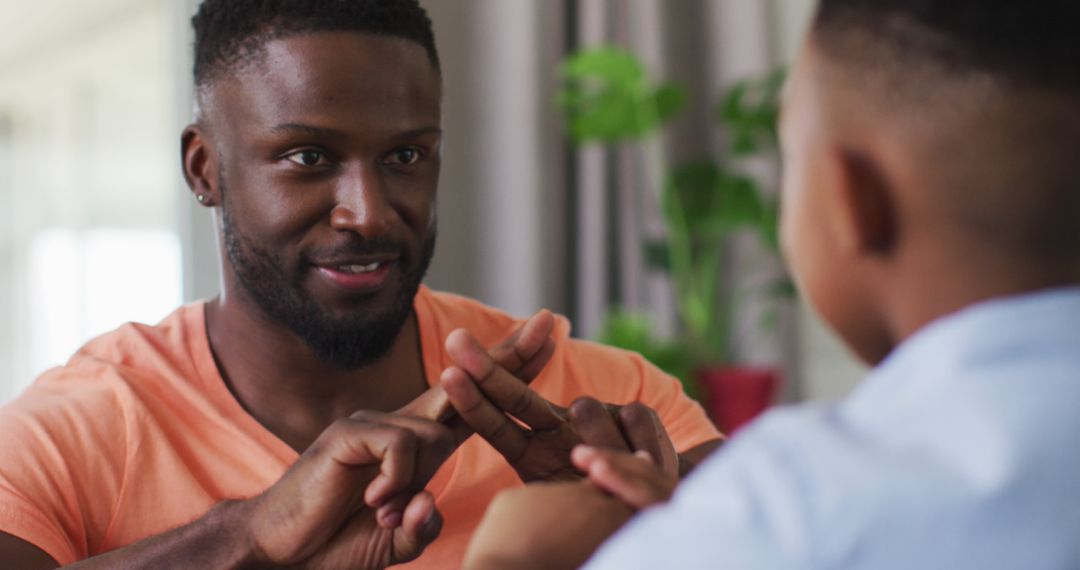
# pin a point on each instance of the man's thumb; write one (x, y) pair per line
(432, 405)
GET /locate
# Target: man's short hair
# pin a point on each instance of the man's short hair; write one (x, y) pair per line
(230, 33)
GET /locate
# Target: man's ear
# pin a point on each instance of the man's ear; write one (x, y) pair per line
(866, 216)
(199, 165)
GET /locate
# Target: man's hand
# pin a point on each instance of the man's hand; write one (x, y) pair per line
(534, 435)
(338, 505)
(524, 354)
(355, 498)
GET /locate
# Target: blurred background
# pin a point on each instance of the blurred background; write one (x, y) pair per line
(613, 160)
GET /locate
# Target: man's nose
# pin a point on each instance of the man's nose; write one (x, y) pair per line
(362, 206)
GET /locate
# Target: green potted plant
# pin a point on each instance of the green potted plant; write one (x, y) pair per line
(608, 98)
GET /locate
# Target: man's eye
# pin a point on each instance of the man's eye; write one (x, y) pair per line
(307, 157)
(403, 156)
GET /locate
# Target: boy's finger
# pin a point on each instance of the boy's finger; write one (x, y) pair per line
(633, 479)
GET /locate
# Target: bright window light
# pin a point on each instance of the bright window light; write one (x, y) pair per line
(85, 283)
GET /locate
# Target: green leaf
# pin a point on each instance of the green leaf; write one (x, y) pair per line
(609, 63)
(751, 109)
(670, 100)
(713, 202)
(770, 224)
(633, 331)
(607, 97)
(627, 330)
(730, 108)
(657, 256)
(783, 288)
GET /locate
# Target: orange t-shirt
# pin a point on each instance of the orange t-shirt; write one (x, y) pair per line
(139, 434)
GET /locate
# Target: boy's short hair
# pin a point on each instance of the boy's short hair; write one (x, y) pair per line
(991, 89)
(229, 33)
(1029, 42)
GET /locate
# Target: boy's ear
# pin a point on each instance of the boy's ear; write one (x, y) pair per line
(866, 216)
(199, 166)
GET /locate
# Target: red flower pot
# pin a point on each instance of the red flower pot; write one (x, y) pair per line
(736, 395)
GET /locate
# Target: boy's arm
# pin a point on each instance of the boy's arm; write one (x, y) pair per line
(544, 526)
(567, 522)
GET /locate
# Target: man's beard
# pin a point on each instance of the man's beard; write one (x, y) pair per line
(347, 342)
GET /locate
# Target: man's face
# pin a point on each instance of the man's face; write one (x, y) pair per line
(328, 151)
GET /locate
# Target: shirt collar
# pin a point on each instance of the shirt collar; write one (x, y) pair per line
(1018, 326)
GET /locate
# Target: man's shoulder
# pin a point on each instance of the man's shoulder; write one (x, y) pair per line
(449, 311)
(100, 376)
(133, 342)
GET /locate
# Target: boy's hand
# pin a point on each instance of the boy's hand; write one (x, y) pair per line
(634, 478)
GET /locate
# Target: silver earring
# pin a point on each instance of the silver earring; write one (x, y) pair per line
(201, 198)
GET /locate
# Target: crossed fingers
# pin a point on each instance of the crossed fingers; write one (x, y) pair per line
(482, 391)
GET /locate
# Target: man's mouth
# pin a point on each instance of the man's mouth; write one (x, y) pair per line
(358, 275)
(354, 269)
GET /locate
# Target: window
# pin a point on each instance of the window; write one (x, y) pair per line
(88, 191)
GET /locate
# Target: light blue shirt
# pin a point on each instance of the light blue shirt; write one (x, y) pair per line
(961, 450)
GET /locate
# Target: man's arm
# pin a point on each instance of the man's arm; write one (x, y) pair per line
(22, 554)
(355, 494)
(277, 528)
(208, 543)
(353, 499)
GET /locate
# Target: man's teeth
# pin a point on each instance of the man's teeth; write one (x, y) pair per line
(359, 268)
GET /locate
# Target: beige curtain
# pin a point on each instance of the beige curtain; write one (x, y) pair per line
(526, 220)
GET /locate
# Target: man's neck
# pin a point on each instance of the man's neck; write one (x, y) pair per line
(282, 383)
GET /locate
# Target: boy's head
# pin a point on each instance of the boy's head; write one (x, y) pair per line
(932, 151)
